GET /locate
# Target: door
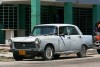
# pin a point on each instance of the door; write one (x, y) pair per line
(75, 38)
(64, 39)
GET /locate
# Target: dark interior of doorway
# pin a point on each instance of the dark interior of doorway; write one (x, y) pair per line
(52, 14)
(60, 17)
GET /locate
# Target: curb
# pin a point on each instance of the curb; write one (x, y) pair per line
(4, 45)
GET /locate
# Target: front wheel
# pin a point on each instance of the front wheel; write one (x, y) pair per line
(82, 52)
(98, 50)
(48, 53)
(17, 57)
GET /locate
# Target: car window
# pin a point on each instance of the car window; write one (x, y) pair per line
(63, 30)
(72, 31)
(45, 30)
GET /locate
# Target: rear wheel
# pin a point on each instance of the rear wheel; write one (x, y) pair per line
(17, 57)
(98, 50)
(48, 53)
(82, 53)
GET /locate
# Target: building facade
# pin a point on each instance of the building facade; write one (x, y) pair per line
(25, 14)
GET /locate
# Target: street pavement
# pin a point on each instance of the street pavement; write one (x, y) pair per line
(72, 61)
(91, 60)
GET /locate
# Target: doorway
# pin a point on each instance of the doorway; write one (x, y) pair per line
(60, 15)
(52, 14)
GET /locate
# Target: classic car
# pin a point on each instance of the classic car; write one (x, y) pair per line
(50, 41)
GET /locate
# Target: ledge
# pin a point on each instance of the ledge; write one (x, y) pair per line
(11, 29)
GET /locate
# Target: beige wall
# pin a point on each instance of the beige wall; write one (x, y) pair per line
(15, 1)
(20, 1)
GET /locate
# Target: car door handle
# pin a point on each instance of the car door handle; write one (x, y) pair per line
(68, 37)
(79, 36)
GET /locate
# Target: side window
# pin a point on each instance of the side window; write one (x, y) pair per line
(63, 30)
(72, 31)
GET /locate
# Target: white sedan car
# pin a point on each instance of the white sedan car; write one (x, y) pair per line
(50, 41)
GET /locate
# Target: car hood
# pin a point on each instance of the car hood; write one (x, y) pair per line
(25, 39)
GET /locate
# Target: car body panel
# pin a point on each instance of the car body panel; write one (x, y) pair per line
(62, 43)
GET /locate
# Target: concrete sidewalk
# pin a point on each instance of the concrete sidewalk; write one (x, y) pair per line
(4, 51)
(7, 54)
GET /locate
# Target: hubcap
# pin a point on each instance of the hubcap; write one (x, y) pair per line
(49, 53)
(83, 51)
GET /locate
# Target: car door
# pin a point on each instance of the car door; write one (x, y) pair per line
(75, 38)
(64, 39)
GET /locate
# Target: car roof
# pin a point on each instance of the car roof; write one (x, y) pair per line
(56, 25)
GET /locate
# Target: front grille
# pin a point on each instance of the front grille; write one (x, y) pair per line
(24, 45)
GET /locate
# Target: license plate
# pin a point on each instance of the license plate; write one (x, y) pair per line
(22, 52)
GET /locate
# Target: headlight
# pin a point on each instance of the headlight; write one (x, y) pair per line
(10, 41)
(37, 41)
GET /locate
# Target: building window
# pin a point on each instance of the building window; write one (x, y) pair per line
(83, 18)
(9, 16)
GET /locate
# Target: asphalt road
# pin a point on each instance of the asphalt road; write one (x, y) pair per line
(91, 60)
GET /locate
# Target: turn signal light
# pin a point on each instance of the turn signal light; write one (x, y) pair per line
(97, 37)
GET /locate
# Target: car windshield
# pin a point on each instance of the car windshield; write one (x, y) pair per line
(44, 30)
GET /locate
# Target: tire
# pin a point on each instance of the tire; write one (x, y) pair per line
(98, 50)
(48, 53)
(82, 53)
(17, 57)
(56, 56)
